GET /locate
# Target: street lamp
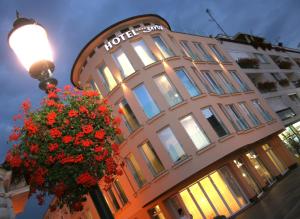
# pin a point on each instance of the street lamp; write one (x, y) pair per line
(30, 43)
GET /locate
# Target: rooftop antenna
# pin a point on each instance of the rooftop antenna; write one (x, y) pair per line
(214, 20)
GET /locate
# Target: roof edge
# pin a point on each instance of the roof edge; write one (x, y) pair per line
(105, 30)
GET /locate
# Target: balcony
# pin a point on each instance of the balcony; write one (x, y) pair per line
(286, 113)
(284, 64)
(267, 86)
(248, 63)
(284, 82)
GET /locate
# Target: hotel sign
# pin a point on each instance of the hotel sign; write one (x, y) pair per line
(129, 34)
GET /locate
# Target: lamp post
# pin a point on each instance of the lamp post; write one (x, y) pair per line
(30, 43)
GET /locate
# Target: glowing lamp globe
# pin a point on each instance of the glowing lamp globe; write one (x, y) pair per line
(30, 43)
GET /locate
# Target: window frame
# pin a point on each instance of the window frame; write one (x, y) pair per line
(216, 51)
(104, 79)
(119, 65)
(165, 44)
(146, 49)
(190, 79)
(127, 124)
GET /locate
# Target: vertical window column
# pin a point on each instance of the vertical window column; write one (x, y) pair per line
(168, 90)
(136, 171)
(107, 78)
(217, 53)
(171, 144)
(203, 52)
(128, 116)
(188, 83)
(123, 63)
(229, 86)
(193, 130)
(188, 51)
(249, 114)
(262, 111)
(163, 48)
(239, 81)
(143, 52)
(146, 102)
(216, 88)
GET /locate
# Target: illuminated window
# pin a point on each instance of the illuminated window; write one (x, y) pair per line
(153, 161)
(188, 83)
(145, 100)
(193, 130)
(229, 86)
(203, 81)
(168, 90)
(135, 170)
(217, 53)
(120, 191)
(215, 87)
(123, 63)
(171, 144)
(162, 46)
(188, 51)
(249, 114)
(107, 78)
(262, 59)
(262, 111)
(215, 122)
(156, 213)
(128, 116)
(242, 84)
(203, 52)
(143, 52)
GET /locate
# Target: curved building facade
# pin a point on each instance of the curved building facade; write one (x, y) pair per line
(197, 135)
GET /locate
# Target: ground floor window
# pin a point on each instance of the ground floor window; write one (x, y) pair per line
(156, 213)
(274, 158)
(215, 194)
(291, 137)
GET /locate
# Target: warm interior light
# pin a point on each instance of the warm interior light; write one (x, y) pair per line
(30, 44)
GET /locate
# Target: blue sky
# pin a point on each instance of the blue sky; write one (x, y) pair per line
(72, 23)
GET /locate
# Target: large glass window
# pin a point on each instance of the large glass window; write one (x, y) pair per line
(188, 51)
(229, 86)
(197, 135)
(171, 144)
(217, 52)
(145, 100)
(120, 192)
(203, 52)
(113, 199)
(215, 87)
(136, 171)
(262, 111)
(153, 161)
(128, 116)
(143, 52)
(188, 83)
(168, 90)
(107, 78)
(249, 114)
(162, 46)
(237, 118)
(242, 84)
(262, 59)
(215, 122)
(203, 82)
(123, 63)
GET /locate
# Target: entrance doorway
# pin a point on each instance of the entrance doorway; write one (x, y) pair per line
(259, 166)
(274, 158)
(216, 194)
(247, 176)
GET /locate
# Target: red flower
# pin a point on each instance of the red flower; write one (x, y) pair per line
(26, 105)
(100, 134)
(14, 136)
(73, 113)
(117, 120)
(90, 93)
(107, 120)
(77, 206)
(67, 139)
(83, 109)
(52, 147)
(102, 109)
(17, 117)
(98, 149)
(34, 148)
(14, 160)
(86, 142)
(118, 130)
(92, 115)
(87, 129)
(51, 159)
(119, 172)
(52, 95)
(50, 102)
(30, 127)
(86, 179)
(38, 177)
(72, 159)
(115, 148)
(120, 110)
(51, 118)
(55, 133)
(67, 87)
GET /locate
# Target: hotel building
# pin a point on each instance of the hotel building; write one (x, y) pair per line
(275, 71)
(197, 134)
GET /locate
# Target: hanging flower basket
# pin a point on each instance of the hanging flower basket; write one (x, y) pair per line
(66, 146)
(284, 82)
(248, 63)
(284, 64)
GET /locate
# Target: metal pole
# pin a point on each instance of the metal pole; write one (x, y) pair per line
(214, 20)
